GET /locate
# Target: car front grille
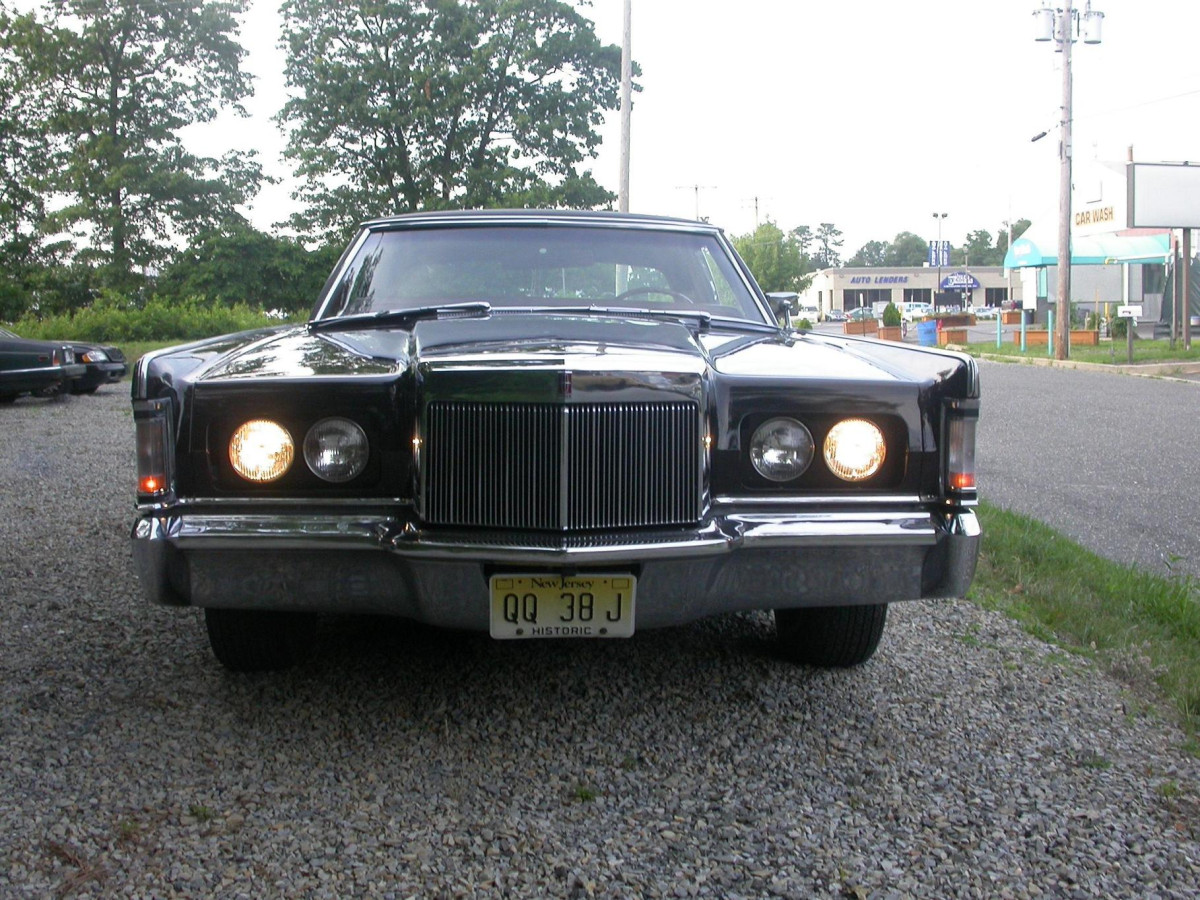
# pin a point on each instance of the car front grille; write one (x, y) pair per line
(562, 467)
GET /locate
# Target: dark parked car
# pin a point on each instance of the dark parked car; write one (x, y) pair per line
(34, 367)
(104, 364)
(551, 425)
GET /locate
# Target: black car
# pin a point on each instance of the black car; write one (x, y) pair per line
(551, 425)
(104, 364)
(35, 367)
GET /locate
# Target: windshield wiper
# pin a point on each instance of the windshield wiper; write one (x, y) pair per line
(398, 316)
(706, 320)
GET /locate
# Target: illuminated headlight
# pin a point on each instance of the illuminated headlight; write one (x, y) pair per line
(781, 449)
(94, 356)
(261, 450)
(336, 450)
(854, 449)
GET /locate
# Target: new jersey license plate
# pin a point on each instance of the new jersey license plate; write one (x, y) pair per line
(558, 606)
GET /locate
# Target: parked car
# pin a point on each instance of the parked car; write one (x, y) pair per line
(983, 313)
(34, 367)
(835, 315)
(811, 313)
(104, 364)
(914, 311)
(555, 425)
(860, 314)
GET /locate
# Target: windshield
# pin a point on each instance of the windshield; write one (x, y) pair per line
(542, 266)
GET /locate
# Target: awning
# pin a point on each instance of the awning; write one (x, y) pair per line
(1091, 250)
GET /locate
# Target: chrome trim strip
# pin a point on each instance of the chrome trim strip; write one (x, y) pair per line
(723, 501)
(403, 537)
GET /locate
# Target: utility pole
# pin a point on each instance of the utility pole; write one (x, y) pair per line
(1061, 346)
(1061, 26)
(695, 188)
(626, 98)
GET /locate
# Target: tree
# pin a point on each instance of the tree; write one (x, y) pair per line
(120, 80)
(428, 104)
(1018, 228)
(773, 258)
(236, 263)
(870, 254)
(977, 250)
(829, 241)
(907, 249)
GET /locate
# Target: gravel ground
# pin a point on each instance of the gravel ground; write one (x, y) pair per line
(966, 760)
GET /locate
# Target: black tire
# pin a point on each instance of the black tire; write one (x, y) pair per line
(6, 399)
(830, 636)
(245, 640)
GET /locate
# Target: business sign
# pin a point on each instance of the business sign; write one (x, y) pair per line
(1129, 312)
(1099, 200)
(960, 281)
(1163, 195)
(939, 253)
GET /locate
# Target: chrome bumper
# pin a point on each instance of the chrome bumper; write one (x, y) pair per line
(385, 563)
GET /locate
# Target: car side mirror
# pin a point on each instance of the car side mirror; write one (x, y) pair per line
(782, 308)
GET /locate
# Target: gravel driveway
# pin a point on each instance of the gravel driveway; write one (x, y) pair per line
(966, 760)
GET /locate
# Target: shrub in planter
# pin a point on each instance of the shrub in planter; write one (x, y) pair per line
(891, 316)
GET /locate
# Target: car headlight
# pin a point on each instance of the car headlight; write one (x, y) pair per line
(94, 356)
(336, 450)
(855, 449)
(781, 449)
(261, 450)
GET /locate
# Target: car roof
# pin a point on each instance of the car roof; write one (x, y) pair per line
(577, 217)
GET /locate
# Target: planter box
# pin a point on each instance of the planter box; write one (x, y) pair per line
(962, 320)
(890, 333)
(951, 336)
(1011, 317)
(1040, 338)
(868, 326)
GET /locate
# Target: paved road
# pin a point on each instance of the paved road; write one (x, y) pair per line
(1111, 460)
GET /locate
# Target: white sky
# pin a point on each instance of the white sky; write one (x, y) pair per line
(870, 114)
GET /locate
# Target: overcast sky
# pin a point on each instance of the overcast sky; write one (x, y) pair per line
(871, 115)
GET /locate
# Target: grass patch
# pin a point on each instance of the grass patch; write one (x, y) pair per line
(1146, 628)
(1108, 352)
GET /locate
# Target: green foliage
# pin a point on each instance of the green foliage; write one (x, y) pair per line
(907, 249)
(116, 319)
(871, 255)
(1145, 626)
(114, 83)
(829, 243)
(238, 264)
(891, 316)
(404, 104)
(774, 258)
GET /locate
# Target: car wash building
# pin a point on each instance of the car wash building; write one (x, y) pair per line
(1111, 263)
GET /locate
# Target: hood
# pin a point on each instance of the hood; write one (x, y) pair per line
(578, 343)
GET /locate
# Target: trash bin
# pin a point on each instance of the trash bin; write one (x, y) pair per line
(927, 333)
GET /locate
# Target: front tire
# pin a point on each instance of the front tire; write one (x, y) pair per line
(251, 640)
(830, 636)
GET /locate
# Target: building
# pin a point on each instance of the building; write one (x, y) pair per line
(847, 289)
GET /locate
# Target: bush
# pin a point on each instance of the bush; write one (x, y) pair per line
(113, 319)
(803, 325)
(891, 316)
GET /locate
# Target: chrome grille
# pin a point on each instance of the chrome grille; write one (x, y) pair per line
(562, 467)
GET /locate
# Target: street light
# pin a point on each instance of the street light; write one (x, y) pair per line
(1063, 27)
(937, 288)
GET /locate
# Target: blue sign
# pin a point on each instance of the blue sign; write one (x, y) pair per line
(939, 253)
(960, 281)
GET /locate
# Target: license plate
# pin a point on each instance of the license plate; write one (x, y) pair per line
(557, 606)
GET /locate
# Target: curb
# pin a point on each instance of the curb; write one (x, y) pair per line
(1145, 370)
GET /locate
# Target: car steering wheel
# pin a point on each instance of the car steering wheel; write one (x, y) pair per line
(634, 292)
